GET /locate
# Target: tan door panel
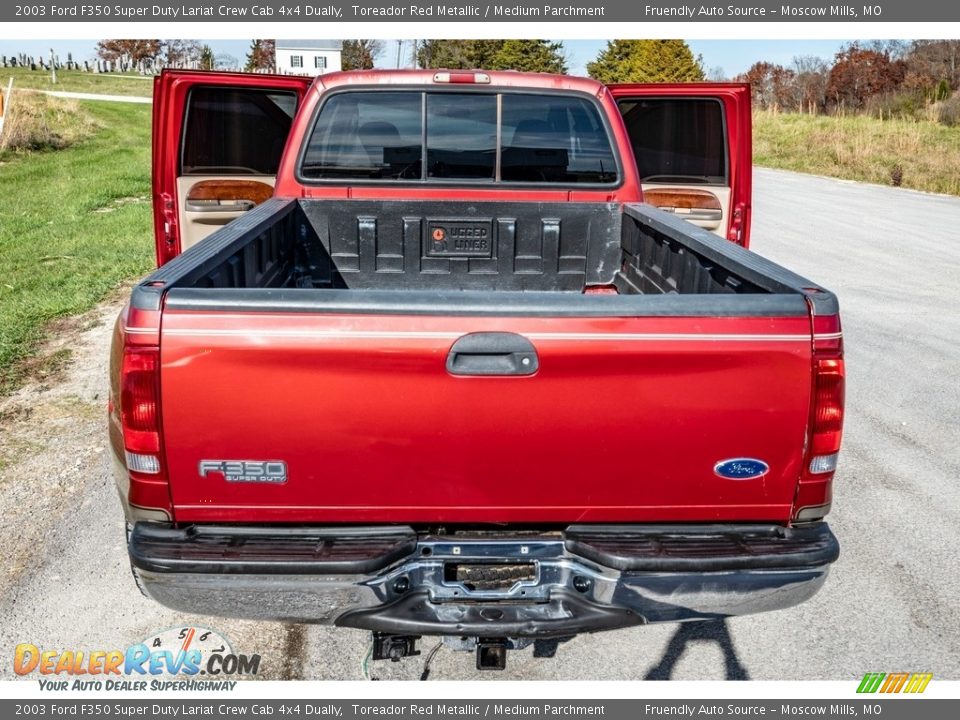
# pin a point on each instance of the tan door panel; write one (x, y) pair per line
(706, 208)
(208, 202)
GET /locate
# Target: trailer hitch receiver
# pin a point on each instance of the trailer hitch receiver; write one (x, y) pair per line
(491, 653)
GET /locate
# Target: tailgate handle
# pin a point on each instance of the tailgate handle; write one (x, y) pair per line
(492, 353)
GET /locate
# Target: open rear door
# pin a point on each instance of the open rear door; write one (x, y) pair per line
(217, 142)
(692, 144)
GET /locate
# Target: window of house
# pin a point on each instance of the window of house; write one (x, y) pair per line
(296, 61)
(320, 62)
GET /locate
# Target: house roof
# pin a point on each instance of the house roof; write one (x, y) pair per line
(309, 44)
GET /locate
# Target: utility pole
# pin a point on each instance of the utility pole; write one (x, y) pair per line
(53, 68)
(399, 48)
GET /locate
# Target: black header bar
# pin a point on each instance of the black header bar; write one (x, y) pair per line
(219, 703)
(421, 11)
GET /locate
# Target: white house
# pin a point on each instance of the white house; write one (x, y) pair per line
(308, 57)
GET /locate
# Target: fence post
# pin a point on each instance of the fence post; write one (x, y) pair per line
(5, 103)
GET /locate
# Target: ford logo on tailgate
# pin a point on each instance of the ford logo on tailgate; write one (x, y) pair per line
(741, 468)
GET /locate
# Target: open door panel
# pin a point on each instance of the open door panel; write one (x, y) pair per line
(217, 142)
(692, 144)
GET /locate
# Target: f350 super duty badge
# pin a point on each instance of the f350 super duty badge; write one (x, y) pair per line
(246, 471)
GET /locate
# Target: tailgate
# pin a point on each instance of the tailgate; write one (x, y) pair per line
(623, 419)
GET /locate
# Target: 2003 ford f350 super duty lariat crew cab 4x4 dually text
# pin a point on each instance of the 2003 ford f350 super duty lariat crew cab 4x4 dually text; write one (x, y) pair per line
(449, 371)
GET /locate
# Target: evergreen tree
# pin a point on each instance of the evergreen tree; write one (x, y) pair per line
(458, 54)
(651, 61)
(207, 61)
(530, 56)
(483, 52)
(526, 55)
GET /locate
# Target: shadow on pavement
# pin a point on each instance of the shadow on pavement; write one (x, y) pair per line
(699, 632)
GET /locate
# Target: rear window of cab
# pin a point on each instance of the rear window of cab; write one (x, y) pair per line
(423, 136)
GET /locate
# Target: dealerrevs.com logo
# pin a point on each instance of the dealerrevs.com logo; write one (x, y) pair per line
(182, 658)
(894, 682)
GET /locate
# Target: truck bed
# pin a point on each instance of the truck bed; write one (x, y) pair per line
(544, 251)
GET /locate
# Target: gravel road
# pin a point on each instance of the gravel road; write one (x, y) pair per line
(892, 602)
(97, 96)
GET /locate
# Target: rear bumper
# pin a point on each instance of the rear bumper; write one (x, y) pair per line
(389, 579)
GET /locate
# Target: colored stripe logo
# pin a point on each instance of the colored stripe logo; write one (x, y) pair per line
(895, 682)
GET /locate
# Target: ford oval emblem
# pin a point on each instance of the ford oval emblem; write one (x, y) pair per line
(741, 468)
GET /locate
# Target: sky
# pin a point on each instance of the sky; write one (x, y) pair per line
(732, 56)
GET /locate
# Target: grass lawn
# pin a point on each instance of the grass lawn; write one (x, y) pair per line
(76, 81)
(861, 148)
(75, 223)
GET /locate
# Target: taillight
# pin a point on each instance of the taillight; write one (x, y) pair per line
(827, 424)
(815, 490)
(139, 408)
(134, 417)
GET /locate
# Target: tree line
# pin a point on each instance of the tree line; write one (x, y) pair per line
(884, 78)
(620, 61)
(147, 55)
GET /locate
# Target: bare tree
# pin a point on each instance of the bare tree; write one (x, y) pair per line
(893, 49)
(931, 61)
(810, 76)
(225, 61)
(136, 51)
(182, 53)
(360, 54)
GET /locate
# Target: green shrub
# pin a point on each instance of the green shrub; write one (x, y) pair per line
(950, 111)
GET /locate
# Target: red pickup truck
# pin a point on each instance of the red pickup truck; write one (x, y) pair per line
(448, 371)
